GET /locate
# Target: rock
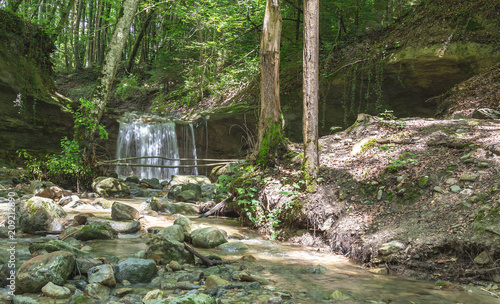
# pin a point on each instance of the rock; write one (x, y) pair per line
(117, 226)
(208, 237)
(483, 165)
(390, 248)
(154, 203)
(486, 113)
(193, 187)
(186, 196)
(233, 247)
(439, 189)
(318, 269)
(193, 299)
(39, 214)
(247, 277)
(52, 290)
(468, 177)
(136, 270)
(95, 231)
(110, 187)
(451, 181)
(101, 203)
(153, 183)
(179, 208)
(98, 291)
(483, 259)
(153, 295)
(175, 266)
(362, 144)
(54, 245)
(132, 179)
(53, 192)
(35, 273)
(23, 300)
(215, 281)
(81, 218)
(68, 199)
(185, 223)
(189, 179)
(466, 192)
(455, 188)
(102, 274)
(174, 232)
(423, 182)
(85, 264)
(165, 250)
(338, 296)
(120, 292)
(120, 211)
(34, 187)
(379, 194)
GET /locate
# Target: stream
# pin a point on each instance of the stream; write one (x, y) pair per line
(297, 274)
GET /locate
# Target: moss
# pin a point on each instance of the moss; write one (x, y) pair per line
(271, 143)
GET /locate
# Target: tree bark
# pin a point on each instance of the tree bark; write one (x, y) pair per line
(270, 118)
(76, 34)
(64, 19)
(311, 88)
(102, 90)
(133, 54)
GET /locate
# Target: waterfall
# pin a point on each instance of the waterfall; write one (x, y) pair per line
(151, 136)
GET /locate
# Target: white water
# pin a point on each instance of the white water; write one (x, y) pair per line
(137, 138)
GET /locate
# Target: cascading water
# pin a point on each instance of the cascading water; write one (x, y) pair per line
(141, 136)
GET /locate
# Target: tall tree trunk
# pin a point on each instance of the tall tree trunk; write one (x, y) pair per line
(311, 89)
(90, 34)
(64, 19)
(101, 92)
(76, 34)
(270, 118)
(137, 44)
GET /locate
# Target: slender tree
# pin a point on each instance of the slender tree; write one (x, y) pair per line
(102, 90)
(270, 119)
(311, 88)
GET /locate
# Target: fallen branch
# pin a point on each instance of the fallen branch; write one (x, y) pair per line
(217, 207)
(206, 261)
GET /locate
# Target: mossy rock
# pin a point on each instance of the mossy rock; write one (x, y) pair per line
(94, 231)
(164, 251)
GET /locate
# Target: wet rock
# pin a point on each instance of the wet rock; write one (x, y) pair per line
(23, 300)
(275, 300)
(153, 183)
(120, 292)
(102, 274)
(68, 200)
(186, 196)
(486, 113)
(153, 295)
(175, 266)
(189, 179)
(185, 286)
(54, 245)
(39, 214)
(132, 179)
(483, 259)
(319, 269)
(249, 277)
(165, 250)
(179, 208)
(233, 247)
(35, 273)
(215, 281)
(85, 264)
(193, 299)
(174, 232)
(186, 225)
(208, 237)
(52, 290)
(154, 203)
(95, 231)
(120, 212)
(136, 270)
(117, 226)
(53, 192)
(390, 248)
(101, 203)
(98, 291)
(468, 177)
(110, 187)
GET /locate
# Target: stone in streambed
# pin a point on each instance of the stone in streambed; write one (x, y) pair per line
(102, 274)
(52, 290)
(117, 226)
(136, 270)
(110, 187)
(165, 250)
(174, 232)
(120, 212)
(208, 237)
(39, 214)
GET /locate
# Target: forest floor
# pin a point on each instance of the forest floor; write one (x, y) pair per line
(431, 186)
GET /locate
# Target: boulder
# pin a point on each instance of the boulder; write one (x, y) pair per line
(174, 232)
(186, 225)
(136, 270)
(165, 250)
(215, 281)
(186, 196)
(132, 179)
(35, 273)
(102, 274)
(98, 291)
(189, 179)
(120, 211)
(390, 248)
(68, 200)
(39, 214)
(208, 237)
(117, 226)
(53, 192)
(233, 247)
(110, 187)
(85, 264)
(52, 290)
(153, 183)
(54, 245)
(101, 203)
(95, 231)
(179, 208)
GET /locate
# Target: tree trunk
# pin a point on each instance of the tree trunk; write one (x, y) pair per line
(311, 89)
(64, 19)
(270, 118)
(76, 34)
(101, 92)
(137, 44)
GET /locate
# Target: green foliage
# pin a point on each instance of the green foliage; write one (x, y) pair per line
(387, 115)
(403, 159)
(84, 121)
(127, 87)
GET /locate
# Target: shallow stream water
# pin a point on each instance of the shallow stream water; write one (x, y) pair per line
(297, 274)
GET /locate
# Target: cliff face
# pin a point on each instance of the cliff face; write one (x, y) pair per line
(31, 115)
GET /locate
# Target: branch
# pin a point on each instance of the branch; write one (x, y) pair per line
(217, 207)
